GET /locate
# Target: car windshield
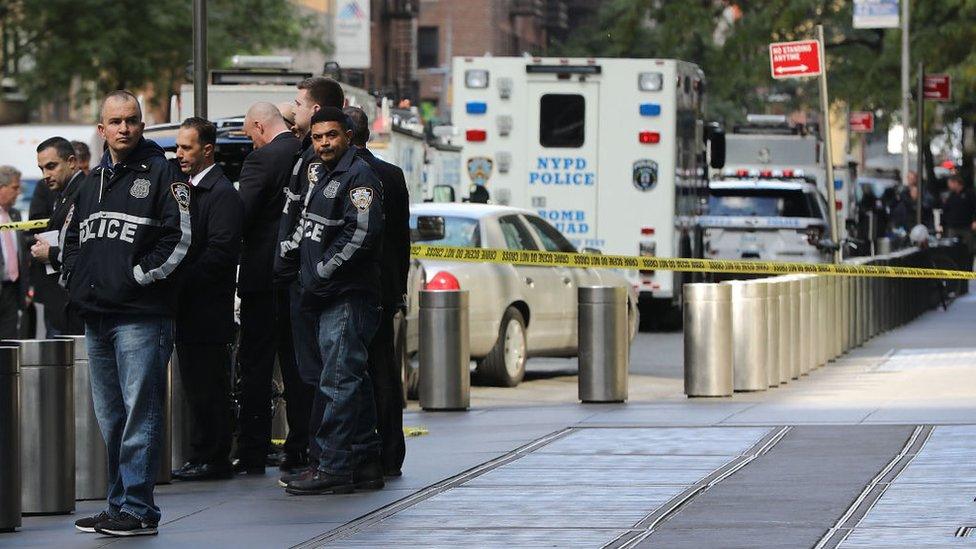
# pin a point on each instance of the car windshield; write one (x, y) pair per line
(761, 203)
(458, 231)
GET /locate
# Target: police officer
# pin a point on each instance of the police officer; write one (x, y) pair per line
(62, 178)
(125, 240)
(340, 275)
(205, 321)
(384, 369)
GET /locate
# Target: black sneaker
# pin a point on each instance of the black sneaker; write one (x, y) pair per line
(125, 526)
(321, 483)
(88, 524)
(304, 474)
(368, 476)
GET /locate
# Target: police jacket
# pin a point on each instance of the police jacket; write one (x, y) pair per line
(395, 254)
(340, 233)
(959, 210)
(206, 297)
(127, 236)
(286, 265)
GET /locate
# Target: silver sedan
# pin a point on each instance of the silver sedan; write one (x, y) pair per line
(514, 311)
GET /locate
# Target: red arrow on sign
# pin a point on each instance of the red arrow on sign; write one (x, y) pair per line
(795, 59)
(937, 87)
(861, 121)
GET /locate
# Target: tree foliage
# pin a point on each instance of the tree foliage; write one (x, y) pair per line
(136, 43)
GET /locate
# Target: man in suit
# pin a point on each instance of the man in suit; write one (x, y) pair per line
(53, 199)
(265, 325)
(382, 365)
(14, 265)
(205, 315)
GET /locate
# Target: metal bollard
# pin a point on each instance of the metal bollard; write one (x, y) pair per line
(164, 475)
(839, 316)
(785, 332)
(708, 340)
(604, 344)
(181, 428)
(91, 462)
(749, 335)
(10, 437)
(445, 358)
(795, 334)
(832, 319)
(47, 425)
(806, 342)
(772, 332)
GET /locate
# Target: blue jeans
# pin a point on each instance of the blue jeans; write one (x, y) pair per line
(346, 436)
(127, 357)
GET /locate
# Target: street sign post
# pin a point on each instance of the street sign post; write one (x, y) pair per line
(861, 121)
(937, 87)
(795, 59)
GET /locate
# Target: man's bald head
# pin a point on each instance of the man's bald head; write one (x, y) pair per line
(119, 98)
(263, 122)
(120, 124)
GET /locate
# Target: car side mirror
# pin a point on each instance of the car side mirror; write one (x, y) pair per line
(429, 227)
(443, 193)
(715, 135)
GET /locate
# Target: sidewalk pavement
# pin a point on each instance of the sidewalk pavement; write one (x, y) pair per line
(532, 467)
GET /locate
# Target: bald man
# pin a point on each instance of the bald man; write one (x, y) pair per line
(265, 324)
(287, 110)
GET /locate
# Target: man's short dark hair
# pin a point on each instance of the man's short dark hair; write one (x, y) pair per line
(325, 92)
(206, 131)
(331, 114)
(61, 145)
(957, 178)
(82, 152)
(360, 125)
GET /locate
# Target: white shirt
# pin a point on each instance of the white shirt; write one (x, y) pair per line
(196, 179)
(3, 249)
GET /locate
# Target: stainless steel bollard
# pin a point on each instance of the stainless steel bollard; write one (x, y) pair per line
(47, 425)
(10, 437)
(708, 340)
(773, 327)
(91, 462)
(806, 342)
(838, 326)
(823, 336)
(445, 357)
(604, 344)
(749, 303)
(164, 475)
(796, 335)
(182, 425)
(785, 331)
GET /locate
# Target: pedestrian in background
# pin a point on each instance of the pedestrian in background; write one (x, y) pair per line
(265, 322)
(205, 319)
(61, 176)
(384, 369)
(124, 244)
(15, 261)
(340, 274)
(311, 95)
(83, 156)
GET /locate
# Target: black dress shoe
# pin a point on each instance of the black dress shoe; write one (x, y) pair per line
(243, 468)
(321, 483)
(208, 471)
(391, 472)
(368, 476)
(293, 462)
(184, 469)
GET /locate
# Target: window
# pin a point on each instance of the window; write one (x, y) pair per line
(762, 203)
(427, 47)
(458, 231)
(517, 237)
(562, 120)
(552, 240)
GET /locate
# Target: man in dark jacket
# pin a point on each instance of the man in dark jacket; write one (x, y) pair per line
(265, 325)
(126, 238)
(14, 259)
(61, 180)
(340, 274)
(205, 321)
(384, 369)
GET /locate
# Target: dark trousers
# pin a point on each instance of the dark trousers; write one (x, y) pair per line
(265, 334)
(9, 307)
(205, 371)
(384, 371)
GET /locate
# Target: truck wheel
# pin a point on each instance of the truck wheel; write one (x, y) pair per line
(505, 364)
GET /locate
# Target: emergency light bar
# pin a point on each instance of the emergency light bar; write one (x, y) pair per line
(257, 77)
(563, 69)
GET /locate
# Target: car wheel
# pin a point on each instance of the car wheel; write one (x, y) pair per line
(505, 364)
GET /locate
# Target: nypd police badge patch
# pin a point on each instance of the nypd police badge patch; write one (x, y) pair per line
(479, 169)
(645, 174)
(313, 172)
(181, 192)
(140, 188)
(361, 197)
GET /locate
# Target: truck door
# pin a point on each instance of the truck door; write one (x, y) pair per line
(562, 154)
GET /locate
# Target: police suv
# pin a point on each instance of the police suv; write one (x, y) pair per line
(774, 215)
(610, 151)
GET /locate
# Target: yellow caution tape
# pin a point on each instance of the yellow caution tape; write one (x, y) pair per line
(414, 431)
(596, 261)
(24, 225)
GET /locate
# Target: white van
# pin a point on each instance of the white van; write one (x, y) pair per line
(18, 148)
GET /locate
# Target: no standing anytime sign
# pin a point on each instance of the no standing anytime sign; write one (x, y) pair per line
(795, 59)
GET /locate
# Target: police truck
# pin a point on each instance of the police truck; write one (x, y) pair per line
(610, 151)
